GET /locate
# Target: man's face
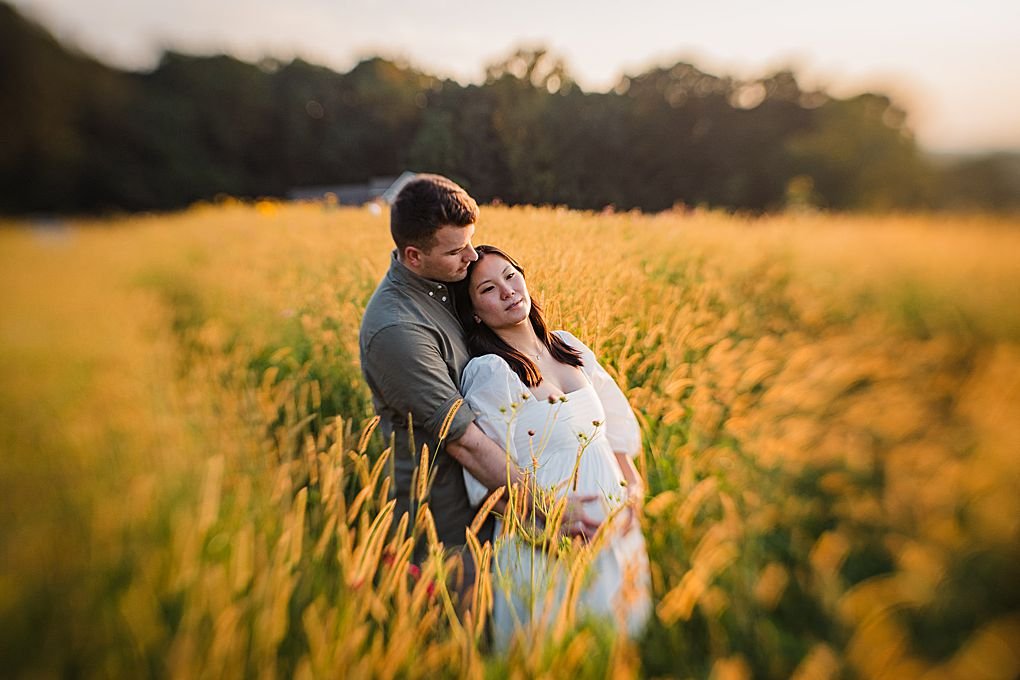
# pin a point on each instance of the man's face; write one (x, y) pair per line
(449, 258)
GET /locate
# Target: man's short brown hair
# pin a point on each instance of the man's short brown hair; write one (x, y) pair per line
(423, 206)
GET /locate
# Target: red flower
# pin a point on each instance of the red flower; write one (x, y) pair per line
(414, 571)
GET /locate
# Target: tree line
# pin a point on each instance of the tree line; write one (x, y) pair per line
(85, 137)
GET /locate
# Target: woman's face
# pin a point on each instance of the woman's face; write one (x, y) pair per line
(498, 293)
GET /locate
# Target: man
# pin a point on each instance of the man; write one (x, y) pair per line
(413, 351)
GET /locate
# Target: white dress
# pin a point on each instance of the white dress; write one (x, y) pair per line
(618, 586)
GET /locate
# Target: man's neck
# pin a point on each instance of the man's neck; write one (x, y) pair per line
(416, 273)
(404, 264)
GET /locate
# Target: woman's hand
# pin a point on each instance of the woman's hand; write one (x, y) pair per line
(567, 516)
(576, 522)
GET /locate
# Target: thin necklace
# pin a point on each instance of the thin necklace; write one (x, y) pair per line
(536, 357)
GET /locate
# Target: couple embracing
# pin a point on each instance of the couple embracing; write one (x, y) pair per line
(451, 321)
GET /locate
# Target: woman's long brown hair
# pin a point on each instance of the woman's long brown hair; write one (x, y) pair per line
(483, 340)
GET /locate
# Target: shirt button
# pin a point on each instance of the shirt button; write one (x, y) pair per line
(431, 293)
(444, 298)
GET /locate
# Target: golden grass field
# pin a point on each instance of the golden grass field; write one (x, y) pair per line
(831, 418)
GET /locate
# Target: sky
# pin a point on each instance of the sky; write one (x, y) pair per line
(953, 65)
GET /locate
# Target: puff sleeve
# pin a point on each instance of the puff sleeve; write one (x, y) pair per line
(622, 429)
(491, 390)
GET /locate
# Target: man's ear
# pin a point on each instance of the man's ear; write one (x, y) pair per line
(413, 256)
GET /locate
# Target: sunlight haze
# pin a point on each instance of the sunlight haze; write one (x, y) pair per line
(954, 67)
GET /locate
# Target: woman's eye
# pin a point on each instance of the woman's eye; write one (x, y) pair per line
(511, 275)
(486, 289)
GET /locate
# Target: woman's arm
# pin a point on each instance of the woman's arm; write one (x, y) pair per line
(630, 475)
(635, 490)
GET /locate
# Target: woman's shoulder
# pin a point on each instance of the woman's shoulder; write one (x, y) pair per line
(484, 368)
(486, 362)
(589, 362)
(567, 337)
(572, 341)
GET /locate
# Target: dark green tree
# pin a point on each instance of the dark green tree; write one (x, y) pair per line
(859, 154)
(80, 136)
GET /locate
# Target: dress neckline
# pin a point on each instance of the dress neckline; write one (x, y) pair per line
(587, 381)
(585, 386)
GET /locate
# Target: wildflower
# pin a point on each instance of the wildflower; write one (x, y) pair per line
(531, 433)
(414, 571)
(525, 396)
(552, 399)
(596, 423)
(388, 557)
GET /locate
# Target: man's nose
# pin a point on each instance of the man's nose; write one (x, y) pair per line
(471, 253)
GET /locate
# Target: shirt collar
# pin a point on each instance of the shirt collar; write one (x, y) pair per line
(402, 276)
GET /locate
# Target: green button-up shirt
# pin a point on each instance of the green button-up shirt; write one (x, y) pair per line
(412, 354)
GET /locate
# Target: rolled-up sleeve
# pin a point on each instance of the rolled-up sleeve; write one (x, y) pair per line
(412, 378)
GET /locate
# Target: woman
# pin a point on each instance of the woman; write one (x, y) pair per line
(545, 398)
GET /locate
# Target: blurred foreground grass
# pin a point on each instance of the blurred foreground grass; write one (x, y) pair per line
(831, 411)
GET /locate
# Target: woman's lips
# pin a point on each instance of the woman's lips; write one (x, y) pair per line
(515, 305)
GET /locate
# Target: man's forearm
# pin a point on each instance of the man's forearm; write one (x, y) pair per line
(484, 459)
(489, 464)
